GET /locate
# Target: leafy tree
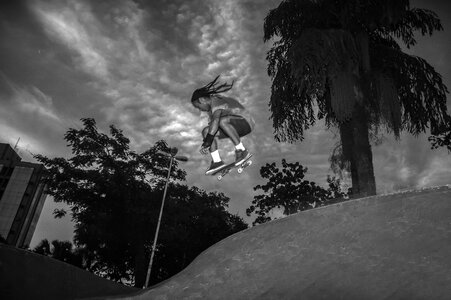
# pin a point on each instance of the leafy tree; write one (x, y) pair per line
(193, 221)
(287, 191)
(341, 61)
(43, 248)
(442, 138)
(114, 195)
(63, 251)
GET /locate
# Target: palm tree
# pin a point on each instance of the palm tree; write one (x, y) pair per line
(64, 251)
(341, 61)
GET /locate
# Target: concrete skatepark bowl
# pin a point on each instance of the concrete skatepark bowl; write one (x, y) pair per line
(395, 246)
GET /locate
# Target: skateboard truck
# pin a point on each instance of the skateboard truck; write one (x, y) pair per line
(228, 168)
(244, 165)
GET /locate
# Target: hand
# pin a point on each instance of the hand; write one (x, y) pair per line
(204, 150)
(208, 140)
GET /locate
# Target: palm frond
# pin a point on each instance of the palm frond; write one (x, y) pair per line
(345, 94)
(276, 56)
(291, 111)
(292, 16)
(384, 38)
(389, 104)
(416, 19)
(421, 91)
(330, 55)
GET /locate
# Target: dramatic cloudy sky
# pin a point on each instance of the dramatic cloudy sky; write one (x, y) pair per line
(136, 65)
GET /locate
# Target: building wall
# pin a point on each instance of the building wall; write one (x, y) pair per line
(10, 203)
(7, 153)
(29, 202)
(33, 216)
(5, 174)
(22, 196)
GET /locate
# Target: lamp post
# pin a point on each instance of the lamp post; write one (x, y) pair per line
(172, 156)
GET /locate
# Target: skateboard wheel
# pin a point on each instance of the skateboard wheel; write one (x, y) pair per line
(240, 170)
(219, 177)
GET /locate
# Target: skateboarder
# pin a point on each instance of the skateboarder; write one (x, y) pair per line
(228, 119)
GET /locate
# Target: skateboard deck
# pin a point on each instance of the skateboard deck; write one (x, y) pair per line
(227, 169)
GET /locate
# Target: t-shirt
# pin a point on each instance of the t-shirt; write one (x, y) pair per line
(230, 107)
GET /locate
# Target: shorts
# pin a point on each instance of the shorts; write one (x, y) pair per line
(241, 126)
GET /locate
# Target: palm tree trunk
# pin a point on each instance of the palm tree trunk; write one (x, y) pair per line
(362, 153)
(357, 151)
(357, 143)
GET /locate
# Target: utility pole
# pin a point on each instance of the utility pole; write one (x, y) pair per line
(172, 156)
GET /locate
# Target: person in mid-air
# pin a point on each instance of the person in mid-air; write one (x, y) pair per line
(228, 119)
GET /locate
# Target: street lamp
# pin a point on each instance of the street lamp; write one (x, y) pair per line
(172, 155)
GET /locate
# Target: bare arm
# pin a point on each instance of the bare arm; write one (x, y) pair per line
(212, 130)
(214, 124)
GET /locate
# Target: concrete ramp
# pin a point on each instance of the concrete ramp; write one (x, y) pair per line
(384, 247)
(25, 275)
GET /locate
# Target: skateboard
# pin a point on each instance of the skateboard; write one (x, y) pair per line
(227, 169)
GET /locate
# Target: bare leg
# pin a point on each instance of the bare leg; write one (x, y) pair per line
(241, 154)
(229, 130)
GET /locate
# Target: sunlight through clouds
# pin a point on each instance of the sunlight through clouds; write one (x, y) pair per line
(30, 101)
(66, 24)
(30, 104)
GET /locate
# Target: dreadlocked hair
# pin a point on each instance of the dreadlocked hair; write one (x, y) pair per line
(212, 88)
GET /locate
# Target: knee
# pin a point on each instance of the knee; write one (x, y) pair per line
(224, 122)
(205, 131)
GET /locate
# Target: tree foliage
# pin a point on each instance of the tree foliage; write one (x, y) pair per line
(114, 195)
(286, 190)
(341, 61)
(442, 137)
(66, 252)
(316, 56)
(193, 221)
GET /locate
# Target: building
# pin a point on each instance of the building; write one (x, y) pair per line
(22, 196)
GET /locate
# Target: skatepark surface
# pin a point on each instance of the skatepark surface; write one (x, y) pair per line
(395, 246)
(26, 275)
